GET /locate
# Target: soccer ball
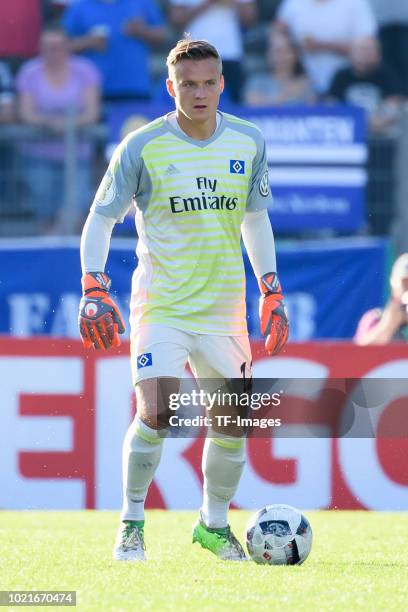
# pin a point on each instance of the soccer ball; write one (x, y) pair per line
(279, 535)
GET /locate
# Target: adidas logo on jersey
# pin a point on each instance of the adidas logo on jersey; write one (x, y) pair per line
(171, 170)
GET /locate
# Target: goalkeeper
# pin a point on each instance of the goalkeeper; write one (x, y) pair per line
(197, 178)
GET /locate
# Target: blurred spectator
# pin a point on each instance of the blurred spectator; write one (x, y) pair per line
(379, 326)
(392, 17)
(57, 91)
(60, 5)
(53, 9)
(286, 81)
(219, 22)
(6, 94)
(267, 10)
(325, 30)
(7, 115)
(370, 84)
(20, 26)
(256, 37)
(115, 35)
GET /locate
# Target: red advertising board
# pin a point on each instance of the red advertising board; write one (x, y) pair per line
(64, 413)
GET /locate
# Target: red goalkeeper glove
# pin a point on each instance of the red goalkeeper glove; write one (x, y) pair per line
(272, 313)
(100, 321)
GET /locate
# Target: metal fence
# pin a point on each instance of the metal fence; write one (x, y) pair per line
(381, 184)
(48, 180)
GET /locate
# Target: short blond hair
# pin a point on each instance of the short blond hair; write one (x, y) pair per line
(189, 49)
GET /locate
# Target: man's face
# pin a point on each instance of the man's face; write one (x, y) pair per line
(365, 54)
(196, 86)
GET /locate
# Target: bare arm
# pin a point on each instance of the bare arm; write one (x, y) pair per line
(96, 42)
(393, 317)
(181, 15)
(90, 114)
(152, 35)
(312, 45)
(387, 115)
(28, 112)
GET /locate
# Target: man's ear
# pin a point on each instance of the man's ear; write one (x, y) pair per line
(222, 83)
(170, 88)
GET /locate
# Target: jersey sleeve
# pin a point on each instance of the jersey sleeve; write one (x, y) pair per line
(259, 193)
(120, 183)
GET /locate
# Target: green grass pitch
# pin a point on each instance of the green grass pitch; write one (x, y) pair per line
(359, 561)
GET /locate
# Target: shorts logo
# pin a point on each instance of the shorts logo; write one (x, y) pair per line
(264, 185)
(237, 166)
(144, 360)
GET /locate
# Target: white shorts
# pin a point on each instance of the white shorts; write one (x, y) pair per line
(159, 350)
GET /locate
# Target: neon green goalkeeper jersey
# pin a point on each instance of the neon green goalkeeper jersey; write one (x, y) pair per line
(190, 198)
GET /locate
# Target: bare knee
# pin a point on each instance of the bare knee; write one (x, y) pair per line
(152, 399)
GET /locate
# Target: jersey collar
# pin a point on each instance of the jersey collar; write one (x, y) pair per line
(198, 143)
